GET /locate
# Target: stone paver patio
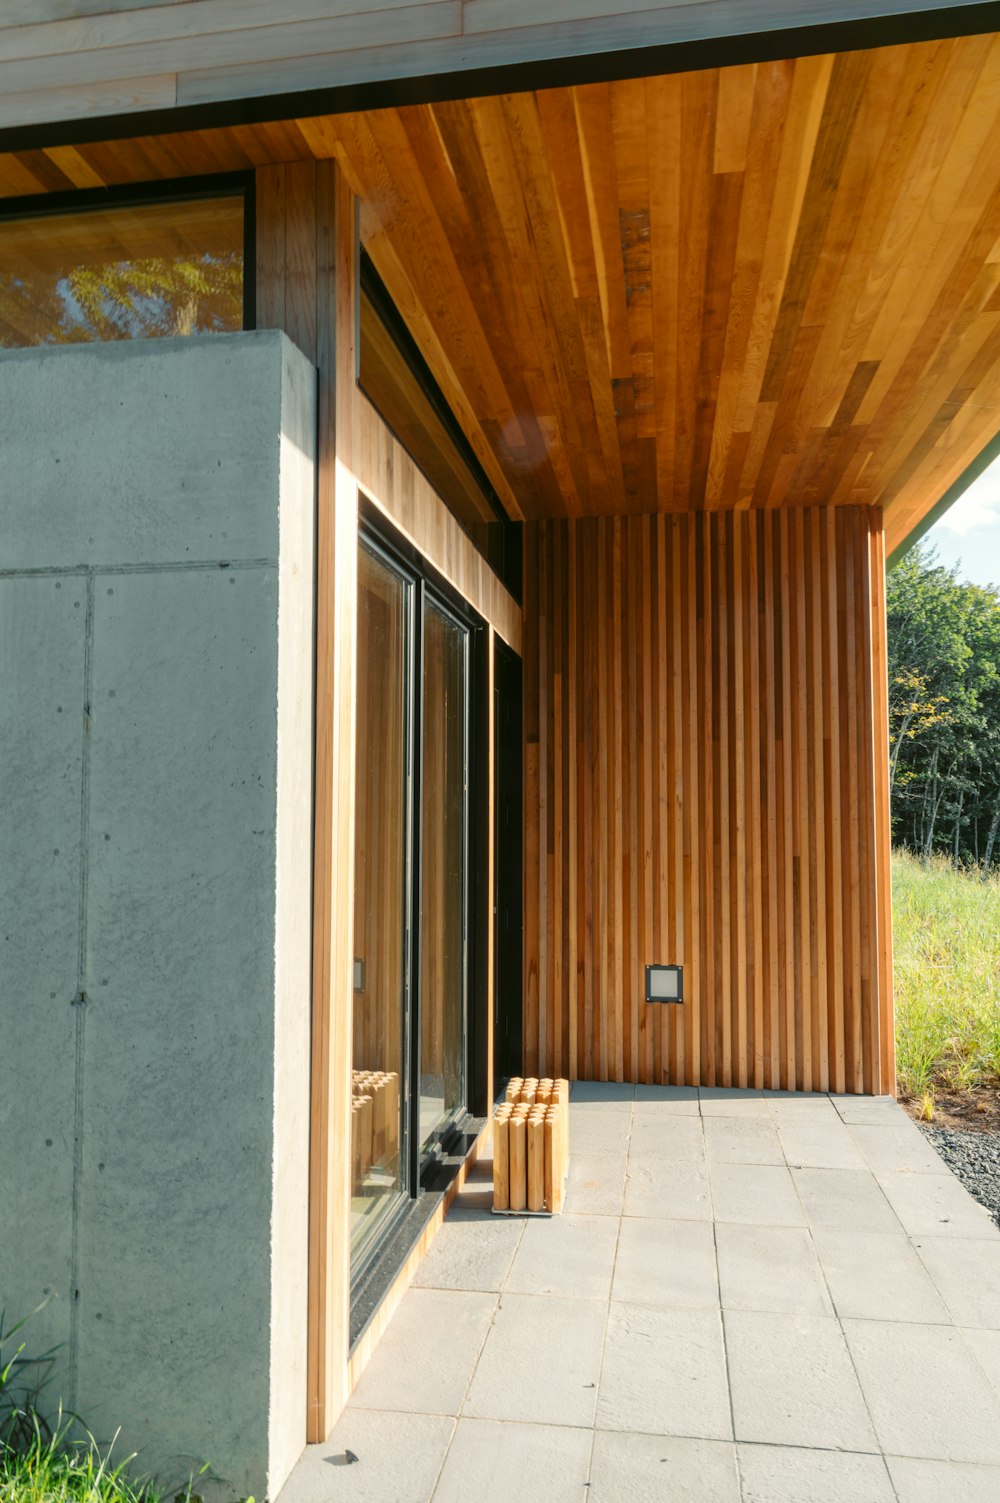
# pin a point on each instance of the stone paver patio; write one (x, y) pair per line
(750, 1298)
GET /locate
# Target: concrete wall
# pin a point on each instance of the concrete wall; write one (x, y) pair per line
(156, 599)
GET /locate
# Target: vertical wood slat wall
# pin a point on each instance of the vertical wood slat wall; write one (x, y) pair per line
(706, 782)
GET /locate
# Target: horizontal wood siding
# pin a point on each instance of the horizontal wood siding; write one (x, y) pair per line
(706, 771)
(68, 58)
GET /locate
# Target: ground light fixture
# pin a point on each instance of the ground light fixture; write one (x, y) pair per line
(664, 983)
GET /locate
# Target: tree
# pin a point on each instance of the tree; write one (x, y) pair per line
(944, 711)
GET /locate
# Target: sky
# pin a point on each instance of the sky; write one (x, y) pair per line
(969, 532)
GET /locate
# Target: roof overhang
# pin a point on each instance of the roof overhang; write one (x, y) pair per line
(771, 283)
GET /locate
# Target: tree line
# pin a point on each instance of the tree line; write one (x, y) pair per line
(944, 712)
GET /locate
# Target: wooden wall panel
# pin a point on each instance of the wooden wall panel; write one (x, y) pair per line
(306, 284)
(706, 783)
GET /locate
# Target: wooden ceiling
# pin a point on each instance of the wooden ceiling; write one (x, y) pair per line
(760, 286)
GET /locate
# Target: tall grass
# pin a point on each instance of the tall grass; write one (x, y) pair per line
(61, 1464)
(946, 958)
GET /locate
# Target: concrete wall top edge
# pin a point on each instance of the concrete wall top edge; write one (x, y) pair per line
(78, 487)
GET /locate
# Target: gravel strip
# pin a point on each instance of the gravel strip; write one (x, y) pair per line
(975, 1158)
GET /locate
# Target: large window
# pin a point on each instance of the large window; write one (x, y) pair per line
(136, 268)
(415, 969)
(398, 382)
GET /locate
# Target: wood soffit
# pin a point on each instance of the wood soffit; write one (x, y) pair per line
(758, 286)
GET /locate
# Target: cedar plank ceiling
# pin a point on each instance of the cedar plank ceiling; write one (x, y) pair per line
(758, 286)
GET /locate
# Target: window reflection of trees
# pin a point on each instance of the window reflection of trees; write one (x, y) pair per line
(128, 299)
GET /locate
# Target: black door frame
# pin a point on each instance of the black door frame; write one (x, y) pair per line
(508, 913)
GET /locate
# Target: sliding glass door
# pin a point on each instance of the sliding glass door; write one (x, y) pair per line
(413, 885)
(443, 876)
(379, 1117)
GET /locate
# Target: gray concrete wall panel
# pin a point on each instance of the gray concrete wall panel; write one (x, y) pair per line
(42, 632)
(174, 1254)
(155, 865)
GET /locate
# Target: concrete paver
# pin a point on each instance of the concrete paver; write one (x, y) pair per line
(927, 1394)
(850, 1199)
(494, 1463)
(775, 1474)
(541, 1361)
(655, 1468)
(666, 1263)
(793, 1382)
(877, 1276)
(742, 1140)
(933, 1481)
(770, 1268)
(664, 1373)
(751, 1297)
(567, 1255)
(967, 1273)
(758, 1194)
(656, 1187)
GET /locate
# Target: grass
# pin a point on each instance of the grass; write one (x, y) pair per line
(55, 1469)
(946, 960)
(62, 1464)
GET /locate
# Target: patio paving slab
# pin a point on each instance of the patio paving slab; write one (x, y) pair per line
(927, 1394)
(595, 1185)
(936, 1481)
(849, 1199)
(472, 1251)
(781, 1474)
(793, 1382)
(770, 1268)
(399, 1456)
(758, 1194)
(567, 1255)
(695, 1327)
(666, 1190)
(628, 1468)
(541, 1361)
(666, 1263)
(680, 1139)
(425, 1360)
(664, 1373)
(495, 1463)
(967, 1273)
(742, 1140)
(819, 1144)
(936, 1205)
(877, 1276)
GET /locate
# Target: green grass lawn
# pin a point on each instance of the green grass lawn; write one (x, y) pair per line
(946, 957)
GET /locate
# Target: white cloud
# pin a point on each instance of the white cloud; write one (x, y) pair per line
(977, 508)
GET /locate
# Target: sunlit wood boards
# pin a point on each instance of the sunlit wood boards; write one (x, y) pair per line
(755, 286)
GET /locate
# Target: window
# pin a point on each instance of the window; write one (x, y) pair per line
(82, 269)
(398, 382)
(418, 960)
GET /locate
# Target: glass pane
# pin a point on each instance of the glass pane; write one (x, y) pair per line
(379, 1107)
(443, 875)
(134, 272)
